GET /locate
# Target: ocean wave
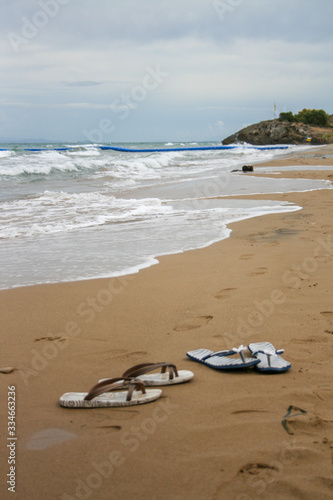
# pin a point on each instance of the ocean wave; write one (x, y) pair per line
(56, 212)
(76, 159)
(16, 170)
(85, 151)
(83, 159)
(5, 153)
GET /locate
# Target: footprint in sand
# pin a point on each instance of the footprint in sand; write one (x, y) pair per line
(122, 353)
(111, 428)
(224, 293)
(319, 339)
(307, 424)
(246, 484)
(258, 469)
(246, 256)
(193, 323)
(258, 271)
(51, 339)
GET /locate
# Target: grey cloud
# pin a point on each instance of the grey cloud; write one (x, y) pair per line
(144, 21)
(227, 60)
(85, 83)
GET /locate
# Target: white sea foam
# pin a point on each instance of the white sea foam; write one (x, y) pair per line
(87, 151)
(116, 249)
(6, 153)
(56, 212)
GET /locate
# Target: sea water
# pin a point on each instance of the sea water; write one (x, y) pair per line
(75, 211)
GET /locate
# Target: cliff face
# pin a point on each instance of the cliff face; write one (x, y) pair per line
(281, 132)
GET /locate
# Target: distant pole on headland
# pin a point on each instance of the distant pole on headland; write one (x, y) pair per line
(274, 111)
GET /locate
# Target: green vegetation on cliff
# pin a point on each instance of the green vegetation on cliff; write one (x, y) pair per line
(317, 117)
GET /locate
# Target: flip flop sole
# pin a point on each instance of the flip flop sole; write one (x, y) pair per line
(225, 363)
(108, 400)
(271, 369)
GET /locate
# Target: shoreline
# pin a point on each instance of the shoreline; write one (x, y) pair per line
(153, 259)
(219, 436)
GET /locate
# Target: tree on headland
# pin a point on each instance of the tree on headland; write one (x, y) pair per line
(317, 117)
(287, 117)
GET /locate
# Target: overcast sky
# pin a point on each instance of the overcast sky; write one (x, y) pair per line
(159, 70)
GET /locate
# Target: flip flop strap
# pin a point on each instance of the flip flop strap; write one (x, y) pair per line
(227, 352)
(269, 354)
(240, 350)
(116, 383)
(141, 369)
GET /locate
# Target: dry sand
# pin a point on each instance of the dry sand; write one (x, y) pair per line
(219, 436)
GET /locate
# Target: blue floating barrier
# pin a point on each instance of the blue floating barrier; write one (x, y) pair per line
(153, 150)
(204, 148)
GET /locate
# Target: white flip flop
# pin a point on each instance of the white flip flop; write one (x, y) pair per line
(101, 395)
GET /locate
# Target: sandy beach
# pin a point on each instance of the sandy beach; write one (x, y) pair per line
(238, 435)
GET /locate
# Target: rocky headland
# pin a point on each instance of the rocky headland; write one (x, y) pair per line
(282, 132)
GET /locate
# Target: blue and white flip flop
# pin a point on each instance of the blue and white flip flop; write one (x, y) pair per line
(221, 360)
(268, 356)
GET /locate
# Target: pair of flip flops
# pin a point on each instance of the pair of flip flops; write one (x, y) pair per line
(265, 358)
(107, 393)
